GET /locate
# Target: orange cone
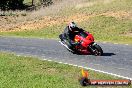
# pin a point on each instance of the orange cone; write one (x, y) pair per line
(85, 73)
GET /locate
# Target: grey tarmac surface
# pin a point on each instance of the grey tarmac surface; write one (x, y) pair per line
(117, 58)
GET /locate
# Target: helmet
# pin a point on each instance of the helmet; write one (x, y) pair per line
(72, 25)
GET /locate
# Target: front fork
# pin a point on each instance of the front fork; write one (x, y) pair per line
(91, 47)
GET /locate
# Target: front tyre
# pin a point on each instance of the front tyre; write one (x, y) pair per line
(97, 50)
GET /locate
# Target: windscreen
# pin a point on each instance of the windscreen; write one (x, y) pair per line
(83, 34)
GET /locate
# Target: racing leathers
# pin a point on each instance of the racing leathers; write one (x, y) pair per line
(69, 36)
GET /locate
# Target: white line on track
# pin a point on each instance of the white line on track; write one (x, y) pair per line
(98, 71)
(81, 67)
(91, 69)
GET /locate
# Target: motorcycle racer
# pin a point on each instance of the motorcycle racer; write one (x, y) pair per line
(69, 33)
(79, 41)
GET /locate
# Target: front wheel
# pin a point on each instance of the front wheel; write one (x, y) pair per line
(96, 50)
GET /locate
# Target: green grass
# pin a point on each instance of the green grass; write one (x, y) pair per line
(99, 6)
(48, 32)
(28, 72)
(115, 5)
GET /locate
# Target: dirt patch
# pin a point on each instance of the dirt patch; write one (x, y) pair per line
(8, 24)
(43, 22)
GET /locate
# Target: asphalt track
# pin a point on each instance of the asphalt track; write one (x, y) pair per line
(117, 58)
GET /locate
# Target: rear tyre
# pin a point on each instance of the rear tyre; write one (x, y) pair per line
(61, 37)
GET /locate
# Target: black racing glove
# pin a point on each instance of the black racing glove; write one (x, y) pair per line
(75, 43)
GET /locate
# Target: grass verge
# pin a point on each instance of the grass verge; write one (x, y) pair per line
(28, 72)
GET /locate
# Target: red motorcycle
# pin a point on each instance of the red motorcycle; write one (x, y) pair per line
(86, 44)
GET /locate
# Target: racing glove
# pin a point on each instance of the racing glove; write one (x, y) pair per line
(75, 43)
